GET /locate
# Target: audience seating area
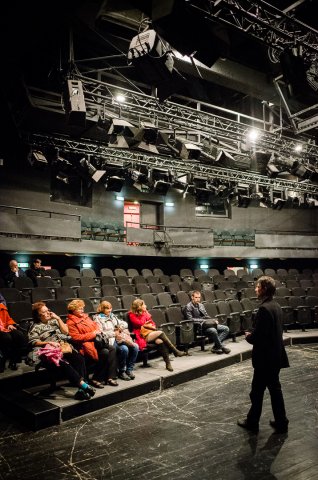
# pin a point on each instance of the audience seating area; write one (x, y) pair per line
(227, 295)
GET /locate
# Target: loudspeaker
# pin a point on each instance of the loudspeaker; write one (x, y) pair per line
(75, 103)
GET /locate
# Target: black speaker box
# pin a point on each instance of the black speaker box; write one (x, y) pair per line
(75, 103)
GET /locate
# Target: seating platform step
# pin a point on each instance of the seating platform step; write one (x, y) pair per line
(22, 392)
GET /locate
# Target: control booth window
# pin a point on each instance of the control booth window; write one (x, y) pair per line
(216, 207)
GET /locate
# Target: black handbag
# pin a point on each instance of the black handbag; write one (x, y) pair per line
(101, 341)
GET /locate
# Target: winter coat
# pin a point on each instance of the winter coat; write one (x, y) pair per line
(137, 320)
(82, 329)
(5, 319)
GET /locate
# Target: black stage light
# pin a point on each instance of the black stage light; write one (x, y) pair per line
(114, 183)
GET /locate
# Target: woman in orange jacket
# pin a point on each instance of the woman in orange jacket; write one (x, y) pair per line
(84, 330)
(13, 342)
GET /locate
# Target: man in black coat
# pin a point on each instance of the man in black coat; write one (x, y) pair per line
(268, 357)
(15, 272)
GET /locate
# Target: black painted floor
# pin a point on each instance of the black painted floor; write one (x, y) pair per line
(185, 432)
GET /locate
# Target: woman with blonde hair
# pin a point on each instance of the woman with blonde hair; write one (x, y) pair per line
(117, 332)
(85, 332)
(146, 332)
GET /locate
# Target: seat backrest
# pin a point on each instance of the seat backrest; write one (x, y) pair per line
(270, 272)
(122, 280)
(175, 278)
(107, 280)
(21, 312)
(114, 301)
(89, 282)
(306, 283)
(158, 316)
(183, 297)
(228, 272)
(146, 272)
(11, 294)
(282, 272)
(298, 291)
(142, 288)
(158, 272)
(58, 306)
(208, 295)
(219, 295)
(65, 293)
(150, 299)
(257, 272)
(127, 289)
(247, 304)
(106, 272)
(133, 272)
(312, 301)
(282, 301)
(235, 306)
(72, 272)
(86, 292)
(90, 306)
(292, 283)
(249, 292)
(174, 315)
(283, 292)
(120, 272)
(69, 281)
(313, 291)
(22, 282)
(173, 287)
(138, 279)
(211, 309)
(295, 301)
(127, 301)
(41, 294)
(223, 307)
(156, 287)
(186, 286)
(212, 272)
(111, 290)
(88, 272)
(164, 298)
(45, 282)
(164, 279)
(198, 272)
(53, 273)
(186, 273)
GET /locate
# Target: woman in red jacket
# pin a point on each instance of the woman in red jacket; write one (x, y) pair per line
(146, 332)
(84, 330)
(13, 342)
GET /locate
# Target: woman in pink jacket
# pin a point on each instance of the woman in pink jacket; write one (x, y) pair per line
(146, 332)
(84, 330)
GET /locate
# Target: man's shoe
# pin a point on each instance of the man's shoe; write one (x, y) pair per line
(226, 350)
(131, 375)
(219, 351)
(124, 376)
(279, 428)
(252, 427)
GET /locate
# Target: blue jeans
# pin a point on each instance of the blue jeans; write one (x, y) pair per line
(217, 334)
(127, 356)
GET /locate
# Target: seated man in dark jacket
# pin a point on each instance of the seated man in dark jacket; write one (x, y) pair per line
(35, 271)
(15, 272)
(196, 311)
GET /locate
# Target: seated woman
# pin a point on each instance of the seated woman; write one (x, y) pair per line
(118, 335)
(146, 332)
(84, 331)
(50, 330)
(13, 342)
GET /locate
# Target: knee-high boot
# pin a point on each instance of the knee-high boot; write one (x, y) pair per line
(175, 351)
(165, 355)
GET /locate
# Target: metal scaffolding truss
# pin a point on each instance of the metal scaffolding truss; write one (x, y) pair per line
(199, 119)
(264, 22)
(131, 159)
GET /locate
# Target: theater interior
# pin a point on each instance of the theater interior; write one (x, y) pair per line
(168, 145)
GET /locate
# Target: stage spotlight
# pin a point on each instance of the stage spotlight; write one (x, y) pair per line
(37, 158)
(278, 203)
(90, 171)
(243, 201)
(161, 181)
(114, 183)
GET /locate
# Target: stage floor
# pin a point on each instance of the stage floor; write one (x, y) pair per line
(185, 432)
